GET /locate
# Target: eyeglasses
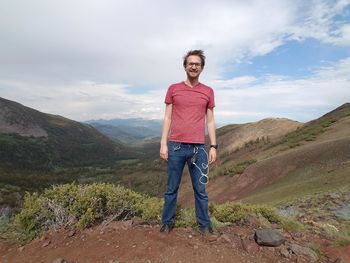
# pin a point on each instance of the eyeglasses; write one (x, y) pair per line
(191, 64)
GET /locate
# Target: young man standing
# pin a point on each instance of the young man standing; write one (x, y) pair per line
(189, 106)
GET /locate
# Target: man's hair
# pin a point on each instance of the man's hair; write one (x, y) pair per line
(199, 53)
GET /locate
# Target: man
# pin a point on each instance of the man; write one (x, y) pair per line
(189, 106)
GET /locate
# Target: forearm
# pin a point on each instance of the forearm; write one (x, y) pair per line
(166, 124)
(211, 132)
(165, 131)
(211, 126)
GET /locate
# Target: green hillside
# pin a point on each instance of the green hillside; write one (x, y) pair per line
(312, 159)
(33, 140)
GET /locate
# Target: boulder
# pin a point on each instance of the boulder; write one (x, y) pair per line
(269, 237)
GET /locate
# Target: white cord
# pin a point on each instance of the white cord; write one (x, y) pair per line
(204, 166)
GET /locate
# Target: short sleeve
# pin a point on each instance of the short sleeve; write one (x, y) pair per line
(211, 103)
(169, 96)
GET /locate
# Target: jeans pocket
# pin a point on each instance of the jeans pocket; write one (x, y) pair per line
(175, 146)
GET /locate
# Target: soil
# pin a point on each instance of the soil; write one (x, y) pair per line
(125, 241)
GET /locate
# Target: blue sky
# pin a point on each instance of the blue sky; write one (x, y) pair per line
(107, 59)
(295, 59)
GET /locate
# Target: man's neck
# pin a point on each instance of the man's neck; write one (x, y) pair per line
(191, 82)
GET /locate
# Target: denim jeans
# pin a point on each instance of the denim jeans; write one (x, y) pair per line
(197, 161)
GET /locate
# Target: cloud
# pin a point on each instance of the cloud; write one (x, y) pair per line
(299, 99)
(86, 100)
(84, 59)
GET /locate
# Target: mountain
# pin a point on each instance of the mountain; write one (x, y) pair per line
(128, 131)
(235, 136)
(30, 139)
(307, 158)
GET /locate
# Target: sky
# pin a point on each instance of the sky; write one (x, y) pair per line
(106, 59)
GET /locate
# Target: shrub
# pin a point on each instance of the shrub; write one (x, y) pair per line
(238, 168)
(231, 212)
(268, 212)
(80, 206)
(186, 217)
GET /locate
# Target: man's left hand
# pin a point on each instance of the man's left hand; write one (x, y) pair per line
(212, 155)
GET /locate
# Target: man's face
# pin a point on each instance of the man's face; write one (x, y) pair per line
(193, 66)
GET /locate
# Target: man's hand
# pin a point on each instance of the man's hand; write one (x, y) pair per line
(212, 155)
(164, 152)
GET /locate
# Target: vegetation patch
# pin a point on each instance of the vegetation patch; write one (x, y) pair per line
(80, 206)
(233, 169)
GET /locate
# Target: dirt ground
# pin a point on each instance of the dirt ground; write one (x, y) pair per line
(124, 241)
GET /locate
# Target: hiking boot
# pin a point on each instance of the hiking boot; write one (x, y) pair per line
(208, 230)
(165, 229)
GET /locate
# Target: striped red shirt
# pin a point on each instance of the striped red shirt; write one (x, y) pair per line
(189, 111)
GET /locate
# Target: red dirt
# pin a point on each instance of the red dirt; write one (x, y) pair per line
(124, 242)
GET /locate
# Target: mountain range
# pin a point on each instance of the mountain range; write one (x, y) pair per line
(128, 131)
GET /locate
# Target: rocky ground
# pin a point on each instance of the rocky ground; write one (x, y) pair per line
(131, 241)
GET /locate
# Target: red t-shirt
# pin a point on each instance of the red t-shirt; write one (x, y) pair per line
(189, 111)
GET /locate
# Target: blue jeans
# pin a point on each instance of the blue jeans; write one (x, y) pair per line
(197, 161)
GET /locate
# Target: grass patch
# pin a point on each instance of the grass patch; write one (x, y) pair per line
(342, 242)
(309, 180)
(232, 169)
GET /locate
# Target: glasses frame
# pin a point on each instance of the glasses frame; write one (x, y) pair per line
(191, 64)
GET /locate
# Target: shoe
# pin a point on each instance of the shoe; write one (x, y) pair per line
(208, 230)
(165, 229)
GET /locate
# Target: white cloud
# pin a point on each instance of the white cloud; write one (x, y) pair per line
(54, 55)
(85, 100)
(300, 99)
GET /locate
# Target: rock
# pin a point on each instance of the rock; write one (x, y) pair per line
(269, 237)
(339, 260)
(46, 243)
(20, 249)
(71, 233)
(284, 252)
(60, 260)
(224, 239)
(212, 238)
(127, 223)
(288, 211)
(343, 212)
(249, 246)
(136, 221)
(304, 251)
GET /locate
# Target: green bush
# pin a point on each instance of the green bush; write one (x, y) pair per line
(231, 212)
(234, 212)
(238, 168)
(185, 217)
(80, 206)
(267, 212)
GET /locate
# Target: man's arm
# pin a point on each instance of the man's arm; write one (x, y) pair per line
(211, 133)
(165, 132)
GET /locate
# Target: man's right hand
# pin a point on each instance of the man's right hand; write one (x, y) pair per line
(164, 152)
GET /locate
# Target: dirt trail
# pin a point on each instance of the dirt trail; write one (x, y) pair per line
(124, 242)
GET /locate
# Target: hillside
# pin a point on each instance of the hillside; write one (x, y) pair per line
(235, 136)
(38, 150)
(30, 139)
(315, 157)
